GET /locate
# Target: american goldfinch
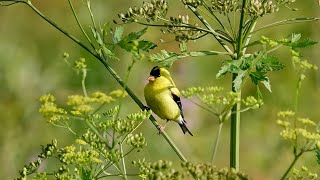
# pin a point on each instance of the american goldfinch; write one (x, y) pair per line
(163, 98)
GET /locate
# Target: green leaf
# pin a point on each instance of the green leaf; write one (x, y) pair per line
(183, 47)
(258, 76)
(318, 155)
(269, 63)
(96, 36)
(295, 37)
(295, 42)
(118, 34)
(223, 71)
(167, 58)
(238, 80)
(108, 52)
(164, 58)
(259, 94)
(133, 36)
(103, 50)
(304, 43)
(267, 84)
(128, 42)
(146, 45)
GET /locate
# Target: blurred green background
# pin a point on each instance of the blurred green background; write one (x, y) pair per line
(31, 65)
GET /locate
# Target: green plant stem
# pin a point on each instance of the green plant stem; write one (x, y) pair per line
(83, 82)
(235, 111)
(97, 133)
(235, 134)
(123, 163)
(79, 24)
(205, 23)
(112, 72)
(298, 87)
(286, 21)
(296, 157)
(216, 142)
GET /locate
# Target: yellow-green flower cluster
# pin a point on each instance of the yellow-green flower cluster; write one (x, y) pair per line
(80, 64)
(209, 171)
(252, 102)
(139, 116)
(164, 170)
(301, 65)
(299, 131)
(260, 8)
(193, 3)
(268, 41)
(93, 141)
(83, 157)
(211, 95)
(50, 110)
(151, 11)
(47, 151)
(63, 173)
(118, 93)
(194, 91)
(180, 27)
(161, 170)
(224, 6)
(84, 105)
(49, 106)
(304, 173)
(230, 99)
(136, 141)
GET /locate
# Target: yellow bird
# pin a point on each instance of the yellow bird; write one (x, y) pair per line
(163, 98)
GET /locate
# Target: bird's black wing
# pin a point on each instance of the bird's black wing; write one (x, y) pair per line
(177, 99)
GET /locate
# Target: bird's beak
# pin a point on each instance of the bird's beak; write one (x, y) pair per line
(151, 78)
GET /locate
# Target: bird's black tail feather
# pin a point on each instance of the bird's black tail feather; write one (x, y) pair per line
(184, 128)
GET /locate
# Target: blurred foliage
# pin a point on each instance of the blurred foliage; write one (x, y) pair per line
(31, 64)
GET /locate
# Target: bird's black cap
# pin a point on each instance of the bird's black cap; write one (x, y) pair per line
(155, 71)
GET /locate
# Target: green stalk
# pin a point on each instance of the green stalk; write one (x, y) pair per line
(216, 142)
(79, 24)
(205, 23)
(111, 71)
(296, 157)
(83, 82)
(235, 111)
(123, 164)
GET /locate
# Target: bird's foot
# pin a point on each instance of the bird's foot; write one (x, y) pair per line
(145, 108)
(161, 128)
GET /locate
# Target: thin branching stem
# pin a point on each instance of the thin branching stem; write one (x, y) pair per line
(216, 142)
(91, 15)
(83, 82)
(205, 23)
(187, 26)
(287, 21)
(296, 157)
(123, 163)
(79, 24)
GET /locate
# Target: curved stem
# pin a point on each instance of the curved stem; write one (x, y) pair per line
(296, 157)
(124, 173)
(79, 24)
(83, 82)
(205, 23)
(112, 72)
(216, 142)
(287, 21)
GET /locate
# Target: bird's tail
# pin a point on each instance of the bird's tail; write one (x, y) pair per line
(184, 128)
